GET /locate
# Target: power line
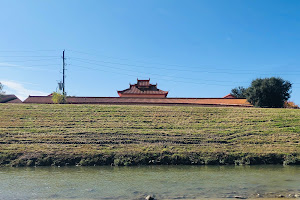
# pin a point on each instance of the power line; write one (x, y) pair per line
(26, 51)
(156, 63)
(154, 75)
(152, 63)
(96, 63)
(158, 74)
(163, 78)
(30, 68)
(179, 70)
(30, 60)
(165, 75)
(13, 65)
(28, 56)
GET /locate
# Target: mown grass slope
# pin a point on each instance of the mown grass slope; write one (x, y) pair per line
(124, 135)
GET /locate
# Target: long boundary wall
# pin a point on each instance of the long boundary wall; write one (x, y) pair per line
(143, 101)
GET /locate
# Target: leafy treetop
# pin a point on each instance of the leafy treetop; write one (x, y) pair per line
(239, 92)
(269, 92)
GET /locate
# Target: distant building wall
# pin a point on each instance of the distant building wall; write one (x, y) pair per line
(143, 101)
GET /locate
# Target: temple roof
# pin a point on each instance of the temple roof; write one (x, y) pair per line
(143, 83)
(135, 90)
(10, 98)
(143, 87)
(229, 96)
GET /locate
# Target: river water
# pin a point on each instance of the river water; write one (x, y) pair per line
(163, 182)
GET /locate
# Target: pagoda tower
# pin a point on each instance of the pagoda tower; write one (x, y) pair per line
(143, 89)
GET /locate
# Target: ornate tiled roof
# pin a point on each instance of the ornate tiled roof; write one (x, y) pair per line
(10, 98)
(229, 96)
(143, 87)
(143, 83)
(135, 90)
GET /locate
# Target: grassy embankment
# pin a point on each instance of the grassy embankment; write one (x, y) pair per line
(129, 135)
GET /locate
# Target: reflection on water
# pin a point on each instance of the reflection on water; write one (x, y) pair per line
(165, 182)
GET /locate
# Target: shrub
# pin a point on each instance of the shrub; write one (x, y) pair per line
(291, 159)
(290, 104)
(58, 98)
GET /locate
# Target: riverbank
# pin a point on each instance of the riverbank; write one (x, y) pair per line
(39, 135)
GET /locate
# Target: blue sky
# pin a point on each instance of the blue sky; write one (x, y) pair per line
(190, 48)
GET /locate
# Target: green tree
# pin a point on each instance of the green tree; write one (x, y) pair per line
(58, 98)
(239, 92)
(269, 92)
(1, 90)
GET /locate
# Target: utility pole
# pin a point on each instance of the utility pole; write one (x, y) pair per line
(63, 72)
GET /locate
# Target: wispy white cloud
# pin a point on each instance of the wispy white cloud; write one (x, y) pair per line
(10, 65)
(17, 88)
